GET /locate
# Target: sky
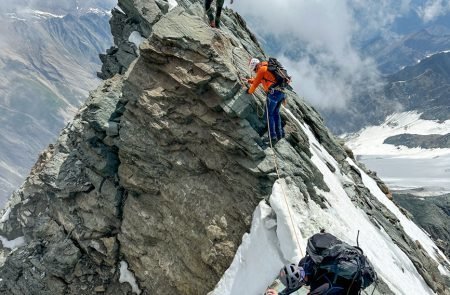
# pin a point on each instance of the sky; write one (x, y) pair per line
(321, 40)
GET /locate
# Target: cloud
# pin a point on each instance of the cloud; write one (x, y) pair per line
(433, 9)
(318, 42)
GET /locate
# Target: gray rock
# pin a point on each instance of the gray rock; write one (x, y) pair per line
(431, 213)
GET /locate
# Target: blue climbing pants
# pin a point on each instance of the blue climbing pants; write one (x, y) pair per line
(274, 100)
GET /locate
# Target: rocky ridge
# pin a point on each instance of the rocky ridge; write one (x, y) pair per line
(431, 141)
(432, 213)
(162, 167)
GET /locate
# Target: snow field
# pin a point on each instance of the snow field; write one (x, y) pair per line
(369, 141)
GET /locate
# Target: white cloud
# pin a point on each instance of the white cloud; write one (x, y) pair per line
(328, 68)
(328, 88)
(433, 9)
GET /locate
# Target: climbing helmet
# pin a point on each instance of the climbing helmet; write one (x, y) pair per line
(253, 63)
(292, 275)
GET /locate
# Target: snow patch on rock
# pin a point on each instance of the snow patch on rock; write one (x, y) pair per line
(172, 4)
(136, 38)
(5, 216)
(126, 276)
(258, 259)
(13, 244)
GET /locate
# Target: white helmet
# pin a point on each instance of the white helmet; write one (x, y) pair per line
(253, 63)
(292, 276)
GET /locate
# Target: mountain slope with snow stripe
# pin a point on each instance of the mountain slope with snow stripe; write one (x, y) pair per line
(342, 218)
(408, 225)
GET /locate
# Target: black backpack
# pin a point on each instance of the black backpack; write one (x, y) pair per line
(345, 263)
(280, 73)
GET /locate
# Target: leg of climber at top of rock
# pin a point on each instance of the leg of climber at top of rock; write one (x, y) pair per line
(214, 21)
(219, 6)
(210, 13)
(273, 78)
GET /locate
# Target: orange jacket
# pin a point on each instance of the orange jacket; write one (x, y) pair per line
(262, 76)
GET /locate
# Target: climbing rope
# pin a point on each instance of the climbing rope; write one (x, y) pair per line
(277, 170)
(274, 157)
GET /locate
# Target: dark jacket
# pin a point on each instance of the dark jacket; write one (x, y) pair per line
(321, 282)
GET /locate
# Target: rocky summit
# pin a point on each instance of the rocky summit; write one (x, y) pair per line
(153, 184)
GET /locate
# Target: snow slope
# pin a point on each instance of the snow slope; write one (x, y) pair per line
(279, 233)
(409, 226)
(369, 141)
(403, 167)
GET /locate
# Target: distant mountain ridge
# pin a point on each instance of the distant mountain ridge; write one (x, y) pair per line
(423, 87)
(47, 66)
(60, 7)
(395, 52)
(431, 141)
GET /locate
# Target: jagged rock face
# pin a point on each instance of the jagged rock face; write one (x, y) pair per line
(432, 213)
(162, 168)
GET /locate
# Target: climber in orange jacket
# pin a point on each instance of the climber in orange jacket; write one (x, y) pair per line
(275, 97)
